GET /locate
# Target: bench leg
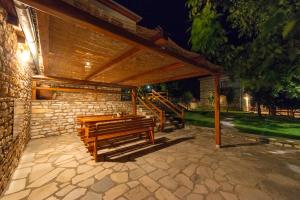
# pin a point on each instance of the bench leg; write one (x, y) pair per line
(151, 135)
(147, 136)
(101, 157)
(95, 150)
(90, 148)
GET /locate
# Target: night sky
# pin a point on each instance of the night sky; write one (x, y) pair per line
(171, 15)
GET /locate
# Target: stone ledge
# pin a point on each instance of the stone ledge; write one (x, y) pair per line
(290, 143)
(276, 141)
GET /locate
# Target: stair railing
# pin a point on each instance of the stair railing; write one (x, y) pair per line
(176, 109)
(160, 114)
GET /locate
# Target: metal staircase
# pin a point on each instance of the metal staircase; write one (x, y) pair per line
(169, 116)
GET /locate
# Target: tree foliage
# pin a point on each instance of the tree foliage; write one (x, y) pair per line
(207, 34)
(187, 98)
(255, 41)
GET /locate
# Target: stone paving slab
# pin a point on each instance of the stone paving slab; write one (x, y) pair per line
(182, 165)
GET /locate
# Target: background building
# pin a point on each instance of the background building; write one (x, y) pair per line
(241, 101)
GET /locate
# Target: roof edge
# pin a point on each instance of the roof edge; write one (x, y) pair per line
(121, 9)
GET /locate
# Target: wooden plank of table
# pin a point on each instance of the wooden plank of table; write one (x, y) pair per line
(107, 119)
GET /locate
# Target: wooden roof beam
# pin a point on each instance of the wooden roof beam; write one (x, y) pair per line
(43, 28)
(111, 64)
(82, 82)
(164, 68)
(78, 17)
(77, 90)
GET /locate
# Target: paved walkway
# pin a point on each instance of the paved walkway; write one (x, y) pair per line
(182, 165)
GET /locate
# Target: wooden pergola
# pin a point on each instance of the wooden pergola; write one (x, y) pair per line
(83, 48)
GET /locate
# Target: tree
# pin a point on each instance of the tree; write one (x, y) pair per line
(229, 94)
(257, 42)
(187, 98)
(211, 99)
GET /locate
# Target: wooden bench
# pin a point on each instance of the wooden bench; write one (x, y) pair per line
(95, 133)
(81, 120)
(90, 120)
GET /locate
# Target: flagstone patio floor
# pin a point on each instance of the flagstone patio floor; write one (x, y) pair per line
(181, 165)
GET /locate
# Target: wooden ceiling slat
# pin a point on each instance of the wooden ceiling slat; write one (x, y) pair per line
(159, 69)
(71, 47)
(111, 64)
(142, 61)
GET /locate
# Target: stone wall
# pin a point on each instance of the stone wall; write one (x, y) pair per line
(91, 97)
(15, 85)
(56, 117)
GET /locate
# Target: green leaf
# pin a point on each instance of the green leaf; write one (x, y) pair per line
(288, 28)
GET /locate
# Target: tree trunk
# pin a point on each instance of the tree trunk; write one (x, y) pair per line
(273, 111)
(258, 109)
(291, 113)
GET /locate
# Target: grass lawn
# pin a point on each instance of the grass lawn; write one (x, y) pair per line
(277, 126)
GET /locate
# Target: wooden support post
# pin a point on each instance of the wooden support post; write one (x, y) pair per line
(133, 100)
(162, 120)
(217, 110)
(33, 90)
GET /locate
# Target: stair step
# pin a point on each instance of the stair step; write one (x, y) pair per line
(172, 121)
(169, 128)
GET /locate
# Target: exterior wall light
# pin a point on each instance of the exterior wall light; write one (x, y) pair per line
(247, 102)
(23, 54)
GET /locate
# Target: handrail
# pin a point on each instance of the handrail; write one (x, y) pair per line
(182, 106)
(161, 114)
(147, 106)
(152, 108)
(169, 104)
(164, 94)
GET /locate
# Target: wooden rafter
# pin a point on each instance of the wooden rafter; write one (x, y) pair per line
(184, 76)
(111, 64)
(78, 17)
(43, 28)
(165, 68)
